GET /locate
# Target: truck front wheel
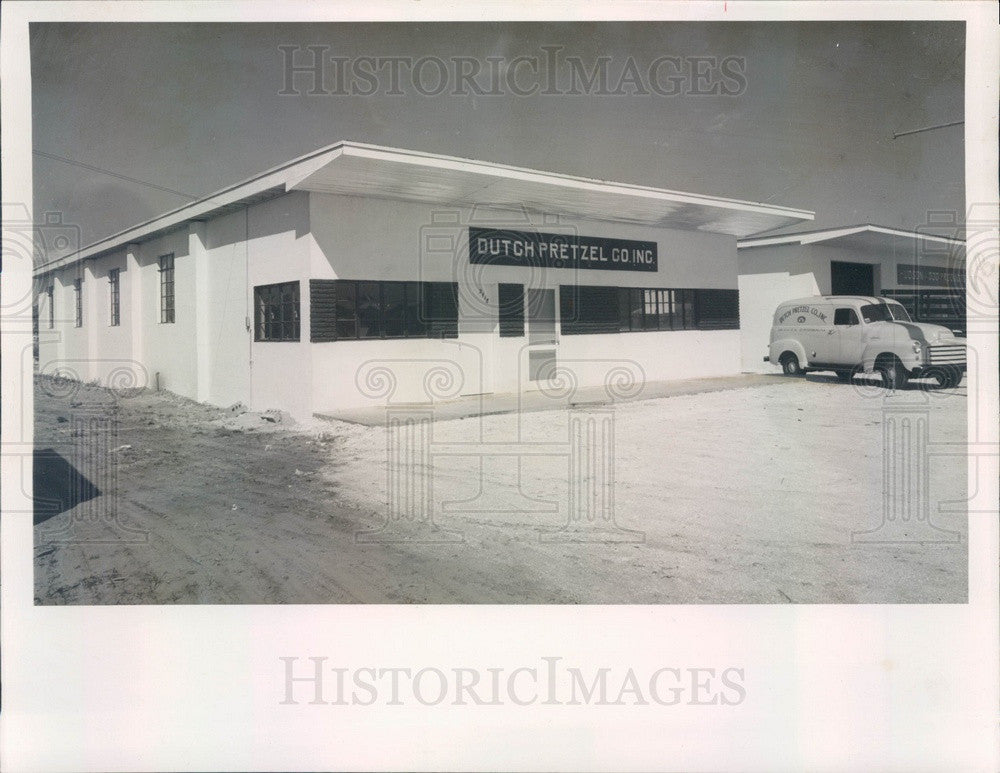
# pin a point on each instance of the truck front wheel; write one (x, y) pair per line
(790, 364)
(946, 378)
(894, 375)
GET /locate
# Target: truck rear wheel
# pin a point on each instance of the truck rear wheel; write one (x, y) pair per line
(790, 365)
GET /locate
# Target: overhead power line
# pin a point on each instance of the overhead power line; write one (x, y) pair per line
(109, 173)
(927, 128)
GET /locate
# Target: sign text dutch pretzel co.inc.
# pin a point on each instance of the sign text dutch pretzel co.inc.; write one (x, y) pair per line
(533, 248)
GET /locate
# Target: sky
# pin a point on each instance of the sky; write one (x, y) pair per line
(191, 108)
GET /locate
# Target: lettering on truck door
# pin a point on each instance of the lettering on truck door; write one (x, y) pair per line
(820, 338)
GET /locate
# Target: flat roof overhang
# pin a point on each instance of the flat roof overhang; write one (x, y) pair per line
(868, 238)
(376, 172)
(356, 169)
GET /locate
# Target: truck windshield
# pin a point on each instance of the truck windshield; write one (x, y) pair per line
(884, 312)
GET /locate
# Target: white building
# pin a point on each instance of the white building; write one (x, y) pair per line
(357, 275)
(925, 272)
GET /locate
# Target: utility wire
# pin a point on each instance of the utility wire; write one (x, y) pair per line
(99, 170)
(926, 129)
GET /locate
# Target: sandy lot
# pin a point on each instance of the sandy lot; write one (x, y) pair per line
(753, 495)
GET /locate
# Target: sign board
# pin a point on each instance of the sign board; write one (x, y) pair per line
(500, 247)
(936, 276)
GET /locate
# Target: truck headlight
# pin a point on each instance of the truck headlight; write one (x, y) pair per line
(916, 347)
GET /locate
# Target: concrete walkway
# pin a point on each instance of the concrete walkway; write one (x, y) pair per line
(533, 402)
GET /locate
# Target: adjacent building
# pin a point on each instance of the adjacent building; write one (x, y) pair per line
(924, 271)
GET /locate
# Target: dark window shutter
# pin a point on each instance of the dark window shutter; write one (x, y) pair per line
(717, 309)
(511, 303)
(441, 309)
(586, 309)
(322, 309)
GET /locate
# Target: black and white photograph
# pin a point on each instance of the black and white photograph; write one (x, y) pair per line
(344, 318)
(574, 324)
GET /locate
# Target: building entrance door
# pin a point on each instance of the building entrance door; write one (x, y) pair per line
(542, 339)
(852, 278)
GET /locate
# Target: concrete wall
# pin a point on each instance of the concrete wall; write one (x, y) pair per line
(390, 240)
(63, 348)
(50, 340)
(227, 338)
(280, 250)
(204, 354)
(167, 347)
(47, 337)
(110, 346)
(768, 276)
(208, 352)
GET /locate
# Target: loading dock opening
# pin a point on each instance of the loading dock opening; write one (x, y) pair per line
(852, 278)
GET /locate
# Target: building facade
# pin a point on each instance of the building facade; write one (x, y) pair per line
(360, 275)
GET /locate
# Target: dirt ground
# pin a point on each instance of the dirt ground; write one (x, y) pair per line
(772, 494)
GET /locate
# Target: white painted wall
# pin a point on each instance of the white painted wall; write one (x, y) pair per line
(376, 239)
(362, 238)
(132, 353)
(209, 354)
(885, 262)
(111, 346)
(227, 336)
(168, 348)
(660, 356)
(65, 349)
(768, 277)
(280, 249)
(50, 340)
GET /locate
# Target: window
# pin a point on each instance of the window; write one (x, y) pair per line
(884, 312)
(511, 303)
(347, 309)
(845, 317)
(114, 296)
(592, 309)
(687, 299)
(899, 313)
(276, 312)
(651, 309)
(635, 309)
(51, 293)
(416, 321)
(441, 309)
(393, 309)
(167, 288)
(655, 310)
(369, 309)
(78, 301)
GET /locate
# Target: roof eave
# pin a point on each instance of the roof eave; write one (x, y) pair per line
(829, 234)
(292, 175)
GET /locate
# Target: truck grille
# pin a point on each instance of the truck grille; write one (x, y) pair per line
(946, 354)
